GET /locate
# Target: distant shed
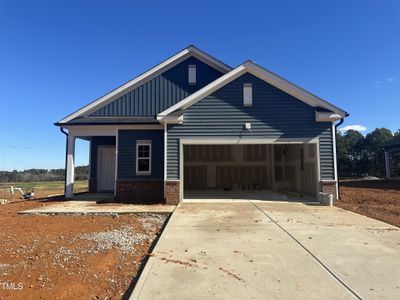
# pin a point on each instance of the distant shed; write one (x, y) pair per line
(390, 148)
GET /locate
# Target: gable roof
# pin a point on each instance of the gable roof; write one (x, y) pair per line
(267, 76)
(147, 76)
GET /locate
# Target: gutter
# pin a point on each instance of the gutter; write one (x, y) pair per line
(66, 153)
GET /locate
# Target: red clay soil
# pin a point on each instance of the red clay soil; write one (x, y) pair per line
(70, 257)
(378, 199)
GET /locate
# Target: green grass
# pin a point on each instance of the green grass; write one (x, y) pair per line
(44, 185)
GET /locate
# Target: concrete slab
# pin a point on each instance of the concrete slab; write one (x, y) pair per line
(364, 252)
(82, 207)
(216, 195)
(259, 250)
(94, 197)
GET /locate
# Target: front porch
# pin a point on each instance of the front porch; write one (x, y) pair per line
(94, 197)
(90, 207)
(115, 172)
(102, 161)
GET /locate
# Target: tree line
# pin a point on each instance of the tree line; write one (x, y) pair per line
(360, 155)
(31, 175)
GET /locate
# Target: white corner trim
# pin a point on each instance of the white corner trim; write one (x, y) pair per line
(147, 76)
(165, 158)
(263, 74)
(116, 161)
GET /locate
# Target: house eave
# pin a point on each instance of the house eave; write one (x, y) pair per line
(267, 76)
(327, 116)
(170, 119)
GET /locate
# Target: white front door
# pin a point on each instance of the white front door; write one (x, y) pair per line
(106, 169)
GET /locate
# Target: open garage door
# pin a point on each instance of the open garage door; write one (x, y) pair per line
(255, 169)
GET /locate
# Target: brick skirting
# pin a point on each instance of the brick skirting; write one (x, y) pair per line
(172, 192)
(140, 191)
(329, 187)
(92, 185)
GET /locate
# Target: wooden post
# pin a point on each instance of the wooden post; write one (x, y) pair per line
(387, 165)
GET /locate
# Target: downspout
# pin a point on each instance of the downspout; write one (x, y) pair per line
(66, 153)
(337, 161)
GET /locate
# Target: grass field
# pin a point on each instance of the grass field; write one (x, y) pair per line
(80, 185)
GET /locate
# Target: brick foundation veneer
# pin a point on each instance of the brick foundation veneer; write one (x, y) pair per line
(92, 185)
(140, 191)
(329, 187)
(172, 192)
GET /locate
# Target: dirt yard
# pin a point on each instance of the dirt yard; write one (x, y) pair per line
(378, 199)
(71, 257)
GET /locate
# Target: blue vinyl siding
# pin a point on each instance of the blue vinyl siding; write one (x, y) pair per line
(127, 153)
(274, 114)
(95, 142)
(161, 92)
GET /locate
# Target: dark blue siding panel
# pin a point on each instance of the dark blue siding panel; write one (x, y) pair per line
(127, 153)
(161, 92)
(274, 114)
(95, 142)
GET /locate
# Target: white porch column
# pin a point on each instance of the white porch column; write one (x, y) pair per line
(70, 172)
(387, 165)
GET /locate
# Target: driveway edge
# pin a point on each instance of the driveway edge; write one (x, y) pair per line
(145, 272)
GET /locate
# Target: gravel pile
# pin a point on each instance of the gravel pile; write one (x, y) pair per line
(152, 222)
(123, 239)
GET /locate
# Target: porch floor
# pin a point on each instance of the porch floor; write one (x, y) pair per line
(94, 197)
(82, 207)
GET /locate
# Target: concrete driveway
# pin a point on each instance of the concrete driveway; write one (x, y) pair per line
(266, 250)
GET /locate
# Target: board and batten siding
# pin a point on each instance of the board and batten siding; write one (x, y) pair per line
(127, 153)
(161, 92)
(274, 114)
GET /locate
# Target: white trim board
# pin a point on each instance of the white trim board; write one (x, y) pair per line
(245, 141)
(147, 76)
(107, 130)
(267, 76)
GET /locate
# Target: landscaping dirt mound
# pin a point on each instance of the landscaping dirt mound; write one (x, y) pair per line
(378, 199)
(71, 257)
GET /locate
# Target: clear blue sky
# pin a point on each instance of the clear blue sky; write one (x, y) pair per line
(56, 56)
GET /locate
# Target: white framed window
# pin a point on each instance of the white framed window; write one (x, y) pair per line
(192, 74)
(247, 94)
(143, 157)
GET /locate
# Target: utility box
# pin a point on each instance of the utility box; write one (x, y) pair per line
(326, 199)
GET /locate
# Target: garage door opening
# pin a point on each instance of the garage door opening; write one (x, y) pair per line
(256, 171)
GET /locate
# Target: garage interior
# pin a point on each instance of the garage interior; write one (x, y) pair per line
(255, 171)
